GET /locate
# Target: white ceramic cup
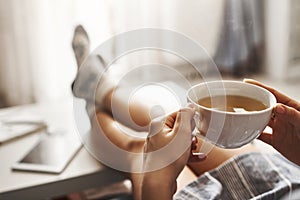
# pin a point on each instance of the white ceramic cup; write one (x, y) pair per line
(230, 129)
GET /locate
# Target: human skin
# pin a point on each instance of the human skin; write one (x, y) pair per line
(285, 125)
(175, 177)
(177, 124)
(140, 115)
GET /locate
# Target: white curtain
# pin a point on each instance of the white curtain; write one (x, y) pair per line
(36, 59)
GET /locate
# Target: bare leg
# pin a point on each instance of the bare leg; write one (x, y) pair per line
(137, 111)
(132, 144)
(185, 177)
(217, 156)
(140, 109)
(123, 141)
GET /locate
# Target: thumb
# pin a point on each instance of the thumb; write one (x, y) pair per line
(156, 125)
(184, 120)
(287, 113)
(266, 137)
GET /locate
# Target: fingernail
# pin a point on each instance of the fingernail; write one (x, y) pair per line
(280, 109)
(247, 79)
(200, 155)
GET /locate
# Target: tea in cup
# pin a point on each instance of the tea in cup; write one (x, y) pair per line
(230, 114)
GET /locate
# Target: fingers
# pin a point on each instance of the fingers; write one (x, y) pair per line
(283, 115)
(287, 113)
(184, 120)
(254, 82)
(176, 125)
(271, 122)
(281, 98)
(182, 128)
(266, 137)
(170, 120)
(176, 120)
(157, 125)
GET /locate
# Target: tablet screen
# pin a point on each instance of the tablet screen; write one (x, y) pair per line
(50, 154)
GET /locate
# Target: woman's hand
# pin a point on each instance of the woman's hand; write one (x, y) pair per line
(171, 140)
(285, 125)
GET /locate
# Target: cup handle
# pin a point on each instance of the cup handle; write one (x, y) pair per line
(197, 118)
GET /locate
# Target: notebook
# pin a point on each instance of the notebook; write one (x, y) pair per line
(9, 131)
(19, 122)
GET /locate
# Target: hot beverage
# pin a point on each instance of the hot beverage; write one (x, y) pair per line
(230, 114)
(232, 103)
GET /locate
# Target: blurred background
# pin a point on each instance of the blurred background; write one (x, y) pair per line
(258, 39)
